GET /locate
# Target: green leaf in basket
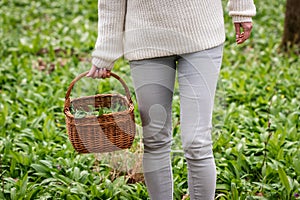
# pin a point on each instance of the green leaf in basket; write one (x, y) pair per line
(117, 108)
(80, 114)
(94, 113)
(100, 112)
(91, 108)
(106, 110)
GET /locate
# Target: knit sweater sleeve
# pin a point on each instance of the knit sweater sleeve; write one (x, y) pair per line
(241, 10)
(109, 44)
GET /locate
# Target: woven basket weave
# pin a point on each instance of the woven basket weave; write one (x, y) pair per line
(104, 133)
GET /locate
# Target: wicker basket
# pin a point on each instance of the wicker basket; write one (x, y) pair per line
(104, 133)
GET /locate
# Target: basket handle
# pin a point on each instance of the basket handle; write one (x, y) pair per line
(67, 98)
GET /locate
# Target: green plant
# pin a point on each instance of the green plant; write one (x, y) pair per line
(45, 44)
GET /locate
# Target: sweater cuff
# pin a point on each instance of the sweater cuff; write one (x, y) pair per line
(99, 63)
(241, 10)
(237, 18)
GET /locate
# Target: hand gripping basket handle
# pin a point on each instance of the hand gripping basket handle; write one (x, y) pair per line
(67, 98)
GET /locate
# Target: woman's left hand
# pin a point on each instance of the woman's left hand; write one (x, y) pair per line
(242, 36)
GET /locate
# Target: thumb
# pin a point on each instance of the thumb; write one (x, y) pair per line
(92, 71)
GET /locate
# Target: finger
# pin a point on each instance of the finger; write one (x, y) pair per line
(241, 38)
(247, 33)
(108, 73)
(99, 73)
(237, 27)
(103, 73)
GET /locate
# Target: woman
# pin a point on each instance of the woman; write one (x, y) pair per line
(160, 37)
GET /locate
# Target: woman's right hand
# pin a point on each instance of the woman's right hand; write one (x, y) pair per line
(98, 72)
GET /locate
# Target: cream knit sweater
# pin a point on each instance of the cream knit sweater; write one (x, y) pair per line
(140, 29)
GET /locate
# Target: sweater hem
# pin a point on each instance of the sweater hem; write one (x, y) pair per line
(164, 53)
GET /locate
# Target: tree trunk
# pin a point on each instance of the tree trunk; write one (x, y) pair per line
(291, 35)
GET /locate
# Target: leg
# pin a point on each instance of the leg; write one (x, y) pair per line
(198, 74)
(154, 83)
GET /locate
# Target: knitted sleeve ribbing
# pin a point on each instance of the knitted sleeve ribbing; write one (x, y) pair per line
(241, 10)
(109, 44)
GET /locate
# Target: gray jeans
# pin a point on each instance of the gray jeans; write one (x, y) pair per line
(154, 84)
